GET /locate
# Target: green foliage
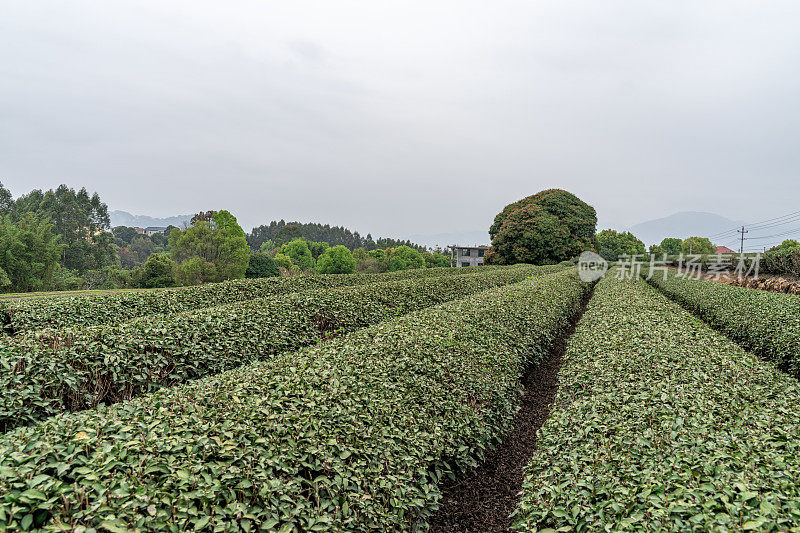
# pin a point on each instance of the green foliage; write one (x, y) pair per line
(210, 250)
(108, 277)
(124, 235)
(378, 254)
(26, 315)
(195, 271)
(351, 434)
(698, 246)
(233, 253)
(284, 262)
(106, 364)
(612, 244)
(396, 263)
(298, 251)
(336, 260)
(29, 253)
(92, 253)
(77, 219)
(656, 250)
(261, 266)
(435, 260)
(783, 260)
(143, 247)
(548, 227)
(6, 200)
(318, 248)
(281, 232)
(412, 258)
(660, 424)
(266, 247)
(157, 271)
(672, 246)
(65, 279)
(788, 244)
(768, 323)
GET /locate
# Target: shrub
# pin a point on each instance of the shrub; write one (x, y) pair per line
(284, 262)
(76, 369)
(31, 314)
(698, 245)
(611, 244)
(336, 260)
(410, 257)
(108, 278)
(298, 251)
(396, 263)
(784, 259)
(261, 266)
(434, 260)
(767, 323)
(351, 434)
(158, 271)
(671, 245)
(195, 271)
(661, 424)
(66, 280)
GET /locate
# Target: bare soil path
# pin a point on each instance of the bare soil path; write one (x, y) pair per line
(482, 500)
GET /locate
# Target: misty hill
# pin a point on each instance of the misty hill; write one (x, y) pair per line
(463, 238)
(123, 218)
(682, 225)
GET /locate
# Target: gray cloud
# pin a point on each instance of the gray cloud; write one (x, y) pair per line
(403, 118)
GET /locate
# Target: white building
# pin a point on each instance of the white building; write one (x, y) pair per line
(469, 255)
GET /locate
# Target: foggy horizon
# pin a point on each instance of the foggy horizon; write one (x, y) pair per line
(402, 120)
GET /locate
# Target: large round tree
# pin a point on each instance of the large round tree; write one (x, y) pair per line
(548, 227)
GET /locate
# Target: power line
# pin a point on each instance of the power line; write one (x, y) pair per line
(723, 234)
(794, 214)
(775, 224)
(763, 224)
(790, 232)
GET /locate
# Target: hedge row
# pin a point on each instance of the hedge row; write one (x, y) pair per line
(351, 434)
(662, 424)
(69, 370)
(68, 311)
(781, 262)
(767, 323)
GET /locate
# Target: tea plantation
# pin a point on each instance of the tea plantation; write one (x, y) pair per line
(358, 402)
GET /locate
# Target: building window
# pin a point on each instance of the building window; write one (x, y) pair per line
(481, 251)
(466, 252)
(465, 263)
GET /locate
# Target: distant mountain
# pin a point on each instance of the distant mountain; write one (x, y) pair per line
(463, 238)
(682, 225)
(123, 218)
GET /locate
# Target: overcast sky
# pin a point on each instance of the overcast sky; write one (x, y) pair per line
(404, 117)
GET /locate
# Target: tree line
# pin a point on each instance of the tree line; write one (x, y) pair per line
(61, 239)
(281, 232)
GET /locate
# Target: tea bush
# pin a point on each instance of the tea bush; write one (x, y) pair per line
(351, 434)
(767, 323)
(68, 370)
(662, 424)
(34, 313)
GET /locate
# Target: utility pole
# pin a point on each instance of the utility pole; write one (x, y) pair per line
(742, 231)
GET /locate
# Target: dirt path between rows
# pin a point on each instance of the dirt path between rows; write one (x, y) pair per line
(482, 500)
